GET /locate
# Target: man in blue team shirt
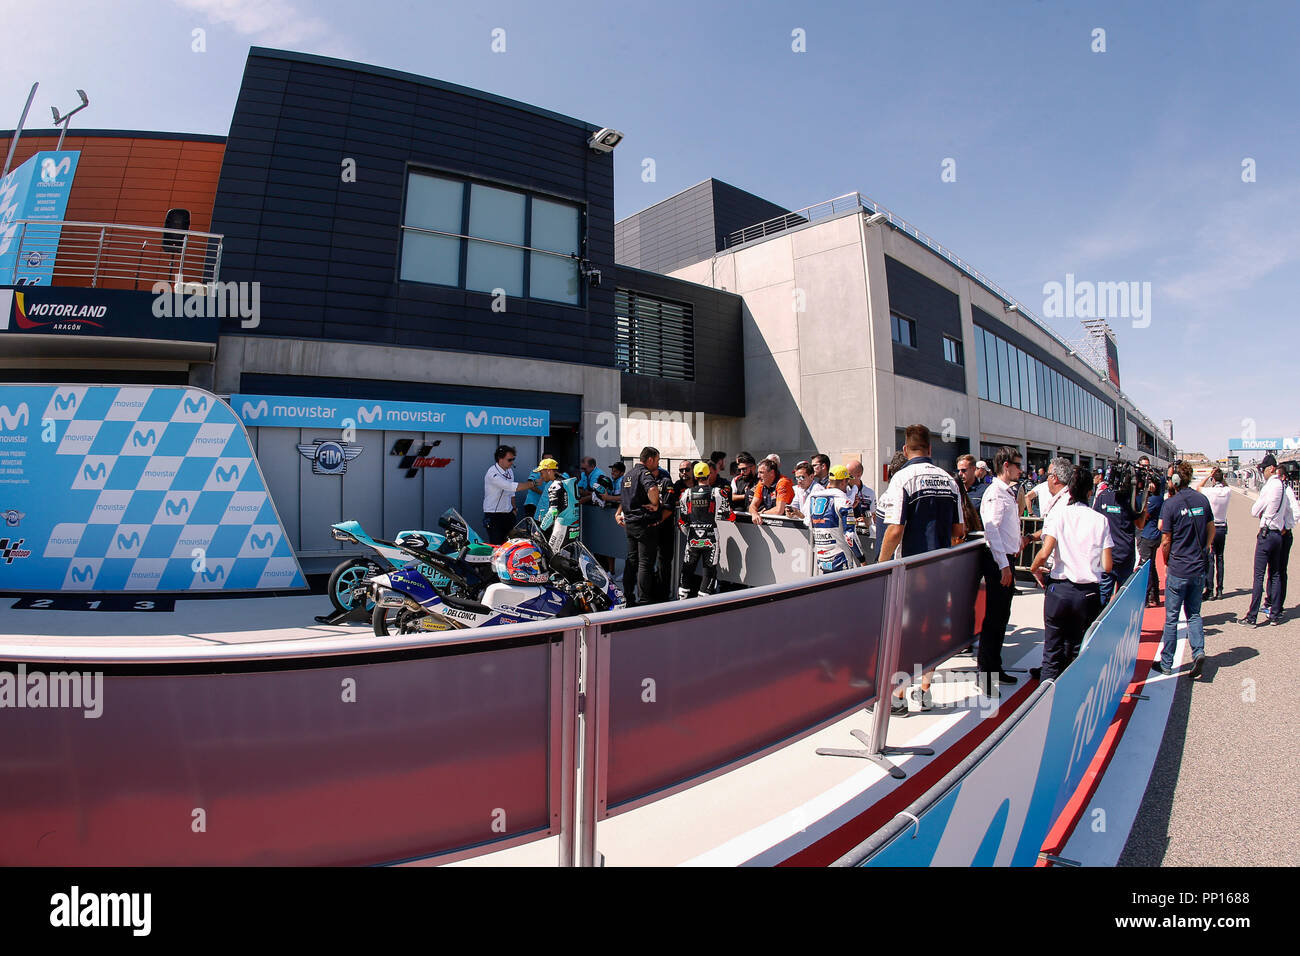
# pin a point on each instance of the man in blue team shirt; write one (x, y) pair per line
(1116, 503)
(923, 512)
(1149, 537)
(1187, 529)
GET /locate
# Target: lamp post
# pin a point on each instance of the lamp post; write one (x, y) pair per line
(13, 144)
(67, 117)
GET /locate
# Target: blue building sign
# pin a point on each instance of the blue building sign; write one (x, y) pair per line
(36, 190)
(1263, 444)
(280, 411)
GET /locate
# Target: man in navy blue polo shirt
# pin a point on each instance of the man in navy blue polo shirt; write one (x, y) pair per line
(1149, 537)
(1187, 529)
(924, 508)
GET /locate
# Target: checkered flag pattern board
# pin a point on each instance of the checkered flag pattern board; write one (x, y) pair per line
(143, 488)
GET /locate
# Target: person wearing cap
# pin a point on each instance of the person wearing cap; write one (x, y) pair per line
(1274, 513)
(499, 488)
(562, 513)
(830, 517)
(699, 509)
(537, 495)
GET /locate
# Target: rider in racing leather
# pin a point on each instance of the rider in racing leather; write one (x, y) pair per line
(698, 510)
(561, 518)
(830, 517)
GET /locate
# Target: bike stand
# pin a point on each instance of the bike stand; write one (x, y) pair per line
(879, 758)
(350, 616)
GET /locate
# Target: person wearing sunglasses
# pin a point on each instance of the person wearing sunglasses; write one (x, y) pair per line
(499, 489)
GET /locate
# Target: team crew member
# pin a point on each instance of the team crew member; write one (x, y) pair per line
(862, 500)
(1274, 513)
(1000, 515)
(1187, 529)
(1080, 539)
(1149, 536)
(1053, 488)
(638, 513)
(922, 512)
(821, 470)
(499, 489)
(594, 487)
(773, 493)
(969, 483)
(666, 529)
(1218, 494)
(1287, 535)
(742, 486)
(698, 512)
(1116, 504)
(835, 545)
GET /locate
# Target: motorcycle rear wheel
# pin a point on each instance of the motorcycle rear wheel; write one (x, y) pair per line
(348, 575)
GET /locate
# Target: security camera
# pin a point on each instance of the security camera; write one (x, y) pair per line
(876, 217)
(1012, 307)
(604, 140)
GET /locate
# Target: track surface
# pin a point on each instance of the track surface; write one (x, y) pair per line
(1225, 784)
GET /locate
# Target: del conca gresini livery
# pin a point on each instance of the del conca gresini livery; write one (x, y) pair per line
(135, 489)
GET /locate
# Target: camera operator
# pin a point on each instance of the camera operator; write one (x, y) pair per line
(1152, 488)
(1218, 494)
(1115, 502)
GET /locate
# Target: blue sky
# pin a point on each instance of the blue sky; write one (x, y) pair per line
(1122, 166)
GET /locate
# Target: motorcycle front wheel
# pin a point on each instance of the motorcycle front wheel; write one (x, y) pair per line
(348, 575)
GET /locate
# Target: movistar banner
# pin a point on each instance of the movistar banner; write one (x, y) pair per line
(1263, 444)
(36, 190)
(1000, 812)
(150, 488)
(281, 411)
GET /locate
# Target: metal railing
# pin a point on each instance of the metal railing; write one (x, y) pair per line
(850, 202)
(113, 255)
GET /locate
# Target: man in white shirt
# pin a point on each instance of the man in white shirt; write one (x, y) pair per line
(862, 500)
(1284, 558)
(803, 484)
(1080, 539)
(1050, 492)
(1000, 515)
(499, 489)
(1274, 513)
(1218, 493)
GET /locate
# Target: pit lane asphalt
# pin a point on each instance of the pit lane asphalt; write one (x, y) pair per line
(1225, 785)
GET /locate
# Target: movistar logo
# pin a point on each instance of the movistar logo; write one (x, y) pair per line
(254, 411)
(125, 544)
(260, 541)
(476, 421)
(370, 415)
(50, 170)
(230, 474)
(93, 474)
(64, 402)
(83, 574)
(199, 405)
(9, 420)
(142, 439)
(214, 574)
(177, 507)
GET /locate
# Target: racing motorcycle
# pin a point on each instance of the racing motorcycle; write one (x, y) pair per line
(466, 572)
(535, 583)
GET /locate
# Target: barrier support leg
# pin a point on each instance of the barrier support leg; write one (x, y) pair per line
(892, 630)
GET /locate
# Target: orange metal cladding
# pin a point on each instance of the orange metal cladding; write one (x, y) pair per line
(134, 180)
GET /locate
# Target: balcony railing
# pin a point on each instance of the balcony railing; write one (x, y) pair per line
(114, 256)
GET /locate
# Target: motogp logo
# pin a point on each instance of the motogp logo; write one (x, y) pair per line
(329, 457)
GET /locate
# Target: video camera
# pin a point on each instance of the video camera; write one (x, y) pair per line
(1130, 481)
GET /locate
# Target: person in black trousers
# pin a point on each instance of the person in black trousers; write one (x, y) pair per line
(638, 512)
(1000, 515)
(1080, 538)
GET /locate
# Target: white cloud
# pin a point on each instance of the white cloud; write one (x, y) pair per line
(272, 22)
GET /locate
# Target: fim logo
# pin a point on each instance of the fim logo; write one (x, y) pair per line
(10, 552)
(329, 457)
(412, 462)
(12, 517)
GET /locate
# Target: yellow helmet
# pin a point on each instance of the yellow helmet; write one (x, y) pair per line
(547, 463)
(839, 473)
(701, 469)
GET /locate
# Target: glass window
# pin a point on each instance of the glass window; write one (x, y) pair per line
(555, 226)
(981, 371)
(1033, 385)
(952, 351)
(490, 267)
(1012, 353)
(904, 330)
(496, 214)
(991, 361)
(554, 277)
(427, 258)
(1024, 382)
(434, 203)
(1004, 378)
